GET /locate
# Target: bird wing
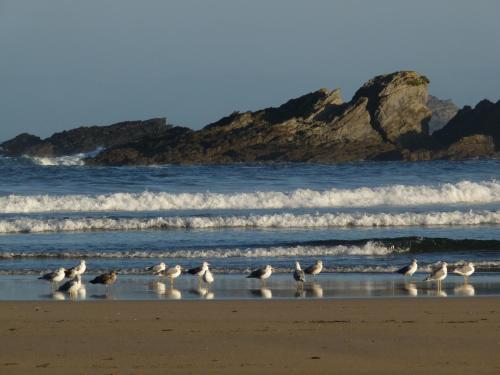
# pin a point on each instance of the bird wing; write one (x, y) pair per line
(310, 269)
(256, 273)
(404, 269)
(194, 271)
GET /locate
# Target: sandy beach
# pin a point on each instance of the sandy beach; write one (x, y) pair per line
(452, 336)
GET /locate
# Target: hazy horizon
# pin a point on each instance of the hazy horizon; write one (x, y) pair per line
(69, 64)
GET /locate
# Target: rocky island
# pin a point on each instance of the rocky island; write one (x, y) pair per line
(387, 119)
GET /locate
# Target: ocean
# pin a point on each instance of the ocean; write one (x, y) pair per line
(363, 219)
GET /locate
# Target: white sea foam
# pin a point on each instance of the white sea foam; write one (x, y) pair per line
(371, 248)
(394, 195)
(76, 159)
(285, 220)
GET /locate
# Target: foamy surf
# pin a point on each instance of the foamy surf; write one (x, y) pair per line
(285, 220)
(395, 195)
(370, 248)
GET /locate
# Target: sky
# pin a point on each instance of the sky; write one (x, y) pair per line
(65, 63)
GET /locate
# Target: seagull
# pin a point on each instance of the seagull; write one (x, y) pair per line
(298, 274)
(198, 271)
(157, 269)
(173, 273)
(71, 287)
(107, 279)
(314, 269)
(465, 270)
(54, 277)
(438, 274)
(261, 273)
(77, 270)
(208, 277)
(408, 270)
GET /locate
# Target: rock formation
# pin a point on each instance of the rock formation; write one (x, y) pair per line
(378, 123)
(387, 119)
(442, 112)
(83, 139)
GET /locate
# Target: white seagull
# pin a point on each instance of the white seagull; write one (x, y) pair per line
(174, 273)
(71, 287)
(408, 270)
(77, 270)
(439, 274)
(157, 269)
(465, 270)
(208, 277)
(261, 273)
(314, 269)
(298, 274)
(54, 277)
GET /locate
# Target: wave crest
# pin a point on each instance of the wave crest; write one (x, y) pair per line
(395, 195)
(286, 220)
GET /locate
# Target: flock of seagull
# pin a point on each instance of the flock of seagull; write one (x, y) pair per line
(205, 275)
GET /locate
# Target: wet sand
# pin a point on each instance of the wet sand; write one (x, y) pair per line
(370, 336)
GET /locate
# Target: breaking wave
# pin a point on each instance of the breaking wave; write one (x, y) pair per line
(368, 249)
(285, 220)
(395, 195)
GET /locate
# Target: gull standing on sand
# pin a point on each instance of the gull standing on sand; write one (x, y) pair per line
(71, 287)
(157, 269)
(465, 270)
(54, 277)
(174, 273)
(76, 270)
(298, 274)
(438, 274)
(408, 270)
(314, 269)
(261, 273)
(107, 279)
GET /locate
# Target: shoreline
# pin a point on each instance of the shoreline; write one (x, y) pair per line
(444, 336)
(228, 287)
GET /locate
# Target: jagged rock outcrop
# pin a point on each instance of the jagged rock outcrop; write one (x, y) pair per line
(483, 119)
(387, 119)
(377, 123)
(442, 112)
(84, 139)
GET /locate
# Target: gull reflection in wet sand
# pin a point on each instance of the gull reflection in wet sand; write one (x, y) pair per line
(411, 289)
(173, 293)
(202, 292)
(300, 292)
(158, 287)
(437, 293)
(314, 290)
(263, 292)
(466, 290)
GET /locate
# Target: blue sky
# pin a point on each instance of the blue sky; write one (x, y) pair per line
(66, 63)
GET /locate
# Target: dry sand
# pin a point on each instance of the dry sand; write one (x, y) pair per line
(379, 336)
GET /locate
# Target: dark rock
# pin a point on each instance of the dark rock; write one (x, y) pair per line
(442, 112)
(84, 139)
(483, 119)
(17, 145)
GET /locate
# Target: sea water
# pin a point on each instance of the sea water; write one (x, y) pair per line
(364, 220)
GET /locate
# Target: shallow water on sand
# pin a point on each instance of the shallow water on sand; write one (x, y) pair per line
(237, 287)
